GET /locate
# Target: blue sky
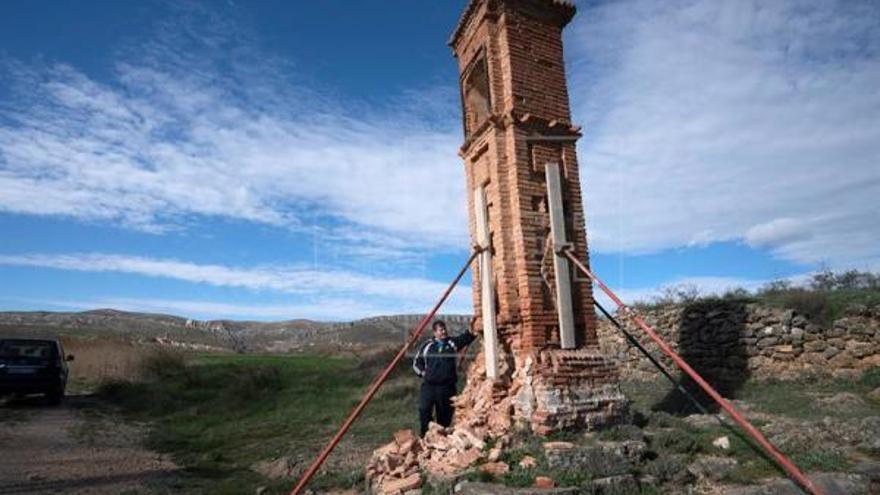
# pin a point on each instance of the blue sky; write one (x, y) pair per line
(273, 160)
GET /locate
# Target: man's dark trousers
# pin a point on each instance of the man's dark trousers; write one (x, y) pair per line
(435, 398)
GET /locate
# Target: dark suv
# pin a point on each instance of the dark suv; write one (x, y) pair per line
(33, 366)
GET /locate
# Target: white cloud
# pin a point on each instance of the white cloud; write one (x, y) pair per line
(198, 123)
(779, 231)
(705, 121)
(168, 142)
(712, 121)
(318, 294)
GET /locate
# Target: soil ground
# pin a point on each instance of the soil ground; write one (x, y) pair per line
(238, 424)
(73, 449)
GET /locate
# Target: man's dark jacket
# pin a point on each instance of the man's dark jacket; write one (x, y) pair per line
(435, 361)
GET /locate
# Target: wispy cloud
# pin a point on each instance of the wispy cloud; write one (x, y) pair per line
(180, 135)
(716, 121)
(705, 121)
(320, 294)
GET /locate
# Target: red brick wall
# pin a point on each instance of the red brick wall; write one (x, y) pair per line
(522, 45)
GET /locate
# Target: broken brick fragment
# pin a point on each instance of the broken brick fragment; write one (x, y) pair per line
(528, 462)
(544, 482)
(495, 468)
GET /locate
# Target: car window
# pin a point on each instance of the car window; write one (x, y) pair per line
(26, 349)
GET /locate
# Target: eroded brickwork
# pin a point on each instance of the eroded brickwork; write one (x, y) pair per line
(516, 119)
(518, 44)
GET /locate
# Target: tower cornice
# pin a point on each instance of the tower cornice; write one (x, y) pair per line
(536, 128)
(561, 11)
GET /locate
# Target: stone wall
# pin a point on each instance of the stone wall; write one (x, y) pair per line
(730, 341)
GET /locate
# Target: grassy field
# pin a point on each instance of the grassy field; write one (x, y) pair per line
(220, 414)
(788, 412)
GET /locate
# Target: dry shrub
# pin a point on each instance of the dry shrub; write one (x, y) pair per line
(815, 304)
(377, 359)
(160, 363)
(101, 360)
(255, 383)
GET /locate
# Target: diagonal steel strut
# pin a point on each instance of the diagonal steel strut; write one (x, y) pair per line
(794, 473)
(325, 452)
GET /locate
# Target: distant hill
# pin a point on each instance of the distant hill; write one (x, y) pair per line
(280, 336)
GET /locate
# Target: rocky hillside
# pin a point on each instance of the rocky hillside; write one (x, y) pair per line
(280, 336)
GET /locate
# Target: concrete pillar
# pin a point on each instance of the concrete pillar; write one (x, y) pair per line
(487, 284)
(560, 262)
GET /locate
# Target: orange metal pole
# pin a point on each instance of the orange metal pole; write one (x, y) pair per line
(771, 450)
(325, 452)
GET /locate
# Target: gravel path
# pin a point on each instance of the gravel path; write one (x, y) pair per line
(73, 448)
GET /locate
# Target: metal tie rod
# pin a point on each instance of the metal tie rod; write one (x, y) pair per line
(657, 364)
(675, 382)
(794, 473)
(325, 452)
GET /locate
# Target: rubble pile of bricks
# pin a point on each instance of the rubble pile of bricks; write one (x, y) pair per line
(394, 467)
(527, 398)
(483, 412)
(397, 467)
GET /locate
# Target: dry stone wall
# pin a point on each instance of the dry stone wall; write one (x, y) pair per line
(731, 341)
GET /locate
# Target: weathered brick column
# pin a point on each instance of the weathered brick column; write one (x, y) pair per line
(516, 120)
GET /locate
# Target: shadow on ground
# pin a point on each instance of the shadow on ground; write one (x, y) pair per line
(39, 402)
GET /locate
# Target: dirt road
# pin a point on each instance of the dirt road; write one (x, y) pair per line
(73, 448)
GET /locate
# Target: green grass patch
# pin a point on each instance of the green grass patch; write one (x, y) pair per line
(220, 414)
(821, 306)
(803, 398)
(620, 433)
(519, 478)
(800, 398)
(754, 468)
(570, 477)
(677, 441)
(475, 475)
(674, 443)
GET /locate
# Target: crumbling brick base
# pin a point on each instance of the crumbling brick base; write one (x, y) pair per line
(541, 391)
(544, 391)
(568, 389)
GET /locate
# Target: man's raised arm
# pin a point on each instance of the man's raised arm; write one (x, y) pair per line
(463, 339)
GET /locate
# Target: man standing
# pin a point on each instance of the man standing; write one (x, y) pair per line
(435, 362)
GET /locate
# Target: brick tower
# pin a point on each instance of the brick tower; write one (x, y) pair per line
(540, 365)
(540, 346)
